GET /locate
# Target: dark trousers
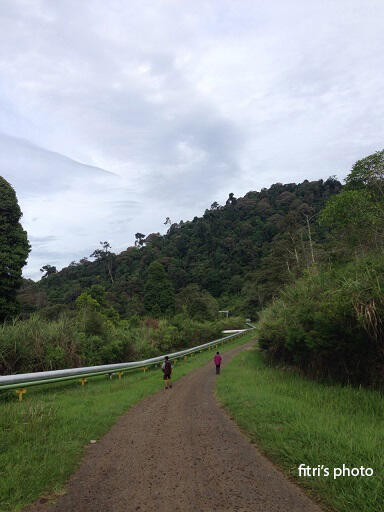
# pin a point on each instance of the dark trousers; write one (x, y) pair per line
(217, 369)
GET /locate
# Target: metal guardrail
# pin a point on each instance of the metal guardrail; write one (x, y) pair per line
(37, 378)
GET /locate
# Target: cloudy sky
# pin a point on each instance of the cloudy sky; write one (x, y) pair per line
(116, 114)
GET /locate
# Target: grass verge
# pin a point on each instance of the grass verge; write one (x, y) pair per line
(294, 420)
(43, 437)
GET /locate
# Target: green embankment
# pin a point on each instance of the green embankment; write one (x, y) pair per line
(294, 420)
(42, 438)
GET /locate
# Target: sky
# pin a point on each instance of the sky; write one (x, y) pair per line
(115, 115)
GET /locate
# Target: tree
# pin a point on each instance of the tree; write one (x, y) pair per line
(356, 214)
(368, 173)
(93, 300)
(231, 199)
(198, 303)
(49, 270)
(106, 256)
(85, 302)
(355, 217)
(139, 240)
(159, 296)
(14, 250)
(97, 292)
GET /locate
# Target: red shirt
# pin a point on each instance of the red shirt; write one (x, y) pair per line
(217, 359)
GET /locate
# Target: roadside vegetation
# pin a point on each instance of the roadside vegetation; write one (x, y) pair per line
(89, 337)
(329, 323)
(55, 423)
(296, 421)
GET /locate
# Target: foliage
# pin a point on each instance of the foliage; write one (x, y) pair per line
(14, 249)
(106, 257)
(329, 323)
(368, 173)
(356, 217)
(85, 301)
(158, 291)
(198, 304)
(90, 337)
(240, 253)
(49, 270)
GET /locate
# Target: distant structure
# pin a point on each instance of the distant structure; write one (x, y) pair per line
(225, 312)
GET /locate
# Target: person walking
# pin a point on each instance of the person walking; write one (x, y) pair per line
(167, 372)
(217, 359)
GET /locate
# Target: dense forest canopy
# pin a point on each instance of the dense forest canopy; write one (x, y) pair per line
(240, 253)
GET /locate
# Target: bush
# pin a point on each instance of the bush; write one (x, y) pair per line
(329, 323)
(91, 338)
(36, 344)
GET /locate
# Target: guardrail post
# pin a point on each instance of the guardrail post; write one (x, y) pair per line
(21, 392)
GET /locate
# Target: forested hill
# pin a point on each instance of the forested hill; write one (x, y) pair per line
(241, 253)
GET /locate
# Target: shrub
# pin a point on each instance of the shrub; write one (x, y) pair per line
(329, 323)
(90, 338)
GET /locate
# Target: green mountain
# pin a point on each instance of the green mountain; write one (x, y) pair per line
(240, 253)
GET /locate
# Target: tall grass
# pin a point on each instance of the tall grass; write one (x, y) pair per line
(330, 323)
(295, 420)
(38, 344)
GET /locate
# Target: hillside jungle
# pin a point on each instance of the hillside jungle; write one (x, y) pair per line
(303, 260)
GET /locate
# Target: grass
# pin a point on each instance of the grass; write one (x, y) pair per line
(294, 420)
(43, 437)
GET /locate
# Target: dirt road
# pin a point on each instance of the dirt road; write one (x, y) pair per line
(178, 451)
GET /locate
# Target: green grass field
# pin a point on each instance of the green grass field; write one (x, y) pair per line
(43, 437)
(294, 420)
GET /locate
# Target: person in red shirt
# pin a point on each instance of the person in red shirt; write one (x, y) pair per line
(217, 359)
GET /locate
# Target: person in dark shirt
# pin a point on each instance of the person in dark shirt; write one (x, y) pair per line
(167, 372)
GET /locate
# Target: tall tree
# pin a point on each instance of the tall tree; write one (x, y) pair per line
(49, 270)
(106, 256)
(231, 199)
(14, 249)
(139, 240)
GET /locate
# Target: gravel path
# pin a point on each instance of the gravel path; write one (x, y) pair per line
(177, 450)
